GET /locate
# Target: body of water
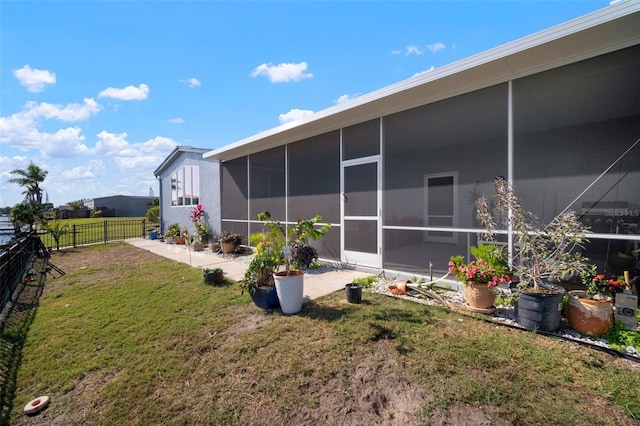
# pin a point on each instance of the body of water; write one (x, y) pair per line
(6, 229)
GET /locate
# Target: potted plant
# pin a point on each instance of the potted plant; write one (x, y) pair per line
(229, 241)
(274, 251)
(214, 240)
(354, 288)
(205, 234)
(290, 282)
(258, 277)
(480, 277)
(540, 252)
(172, 233)
(203, 231)
(212, 275)
(183, 237)
(590, 311)
(304, 254)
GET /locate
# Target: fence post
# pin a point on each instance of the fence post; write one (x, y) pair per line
(144, 229)
(106, 232)
(74, 236)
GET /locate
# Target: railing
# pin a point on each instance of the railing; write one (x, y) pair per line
(17, 258)
(14, 262)
(100, 232)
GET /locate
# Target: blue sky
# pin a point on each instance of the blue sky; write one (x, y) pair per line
(99, 93)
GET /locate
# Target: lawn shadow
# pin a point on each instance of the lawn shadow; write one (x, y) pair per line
(318, 311)
(13, 333)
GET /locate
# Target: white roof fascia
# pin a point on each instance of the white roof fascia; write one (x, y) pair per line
(174, 153)
(499, 57)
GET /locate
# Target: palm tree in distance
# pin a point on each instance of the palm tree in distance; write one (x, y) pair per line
(30, 179)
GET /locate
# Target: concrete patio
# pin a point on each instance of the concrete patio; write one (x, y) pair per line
(316, 284)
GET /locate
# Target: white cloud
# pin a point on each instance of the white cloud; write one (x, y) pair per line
(94, 169)
(175, 120)
(129, 93)
(11, 163)
(68, 113)
(64, 143)
(21, 130)
(283, 73)
(132, 157)
(33, 79)
(413, 50)
(294, 114)
(435, 47)
(149, 155)
(113, 144)
(344, 98)
(424, 72)
(157, 145)
(191, 82)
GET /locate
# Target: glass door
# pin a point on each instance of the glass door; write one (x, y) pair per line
(361, 212)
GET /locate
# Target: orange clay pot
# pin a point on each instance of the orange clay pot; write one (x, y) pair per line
(588, 316)
(479, 296)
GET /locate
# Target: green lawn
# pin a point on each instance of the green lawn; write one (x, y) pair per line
(89, 220)
(126, 337)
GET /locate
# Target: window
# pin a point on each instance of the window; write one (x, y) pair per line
(440, 205)
(185, 186)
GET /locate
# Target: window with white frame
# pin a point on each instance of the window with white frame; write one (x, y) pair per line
(185, 186)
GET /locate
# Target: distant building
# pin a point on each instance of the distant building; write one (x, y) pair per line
(67, 212)
(121, 205)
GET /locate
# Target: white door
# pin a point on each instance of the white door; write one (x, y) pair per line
(361, 212)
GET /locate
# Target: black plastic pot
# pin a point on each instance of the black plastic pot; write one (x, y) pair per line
(213, 277)
(540, 311)
(354, 293)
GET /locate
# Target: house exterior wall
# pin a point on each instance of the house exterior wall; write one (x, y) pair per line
(552, 133)
(209, 173)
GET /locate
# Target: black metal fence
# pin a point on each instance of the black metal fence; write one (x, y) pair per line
(16, 259)
(100, 232)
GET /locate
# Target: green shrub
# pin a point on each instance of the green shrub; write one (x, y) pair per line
(366, 282)
(620, 338)
(254, 239)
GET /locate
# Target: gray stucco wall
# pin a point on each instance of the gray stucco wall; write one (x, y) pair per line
(209, 192)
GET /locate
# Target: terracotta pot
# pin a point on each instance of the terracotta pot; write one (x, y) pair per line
(227, 248)
(400, 287)
(588, 316)
(479, 296)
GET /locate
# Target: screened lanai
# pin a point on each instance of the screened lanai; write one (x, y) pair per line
(397, 172)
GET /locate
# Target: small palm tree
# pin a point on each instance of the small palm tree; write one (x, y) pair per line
(30, 179)
(24, 214)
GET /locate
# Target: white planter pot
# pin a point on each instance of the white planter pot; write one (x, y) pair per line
(290, 289)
